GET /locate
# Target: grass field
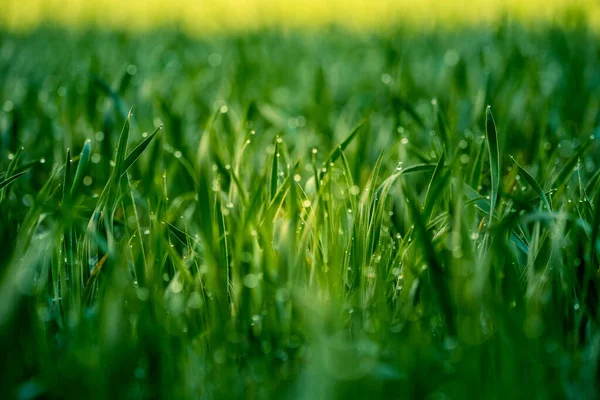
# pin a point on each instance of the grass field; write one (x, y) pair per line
(312, 215)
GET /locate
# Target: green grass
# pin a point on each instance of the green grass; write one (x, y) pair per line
(324, 215)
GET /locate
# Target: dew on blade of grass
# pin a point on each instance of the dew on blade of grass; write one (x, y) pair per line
(8, 106)
(251, 281)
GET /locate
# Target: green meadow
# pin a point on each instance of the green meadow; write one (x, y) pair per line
(323, 214)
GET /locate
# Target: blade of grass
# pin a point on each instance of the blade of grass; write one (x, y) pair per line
(274, 171)
(137, 152)
(335, 153)
(84, 159)
(435, 267)
(10, 180)
(569, 167)
(494, 153)
(533, 183)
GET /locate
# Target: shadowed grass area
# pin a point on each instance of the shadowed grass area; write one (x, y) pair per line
(321, 215)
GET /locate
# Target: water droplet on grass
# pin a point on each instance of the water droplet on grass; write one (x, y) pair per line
(251, 281)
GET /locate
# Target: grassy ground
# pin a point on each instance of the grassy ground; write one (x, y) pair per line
(324, 215)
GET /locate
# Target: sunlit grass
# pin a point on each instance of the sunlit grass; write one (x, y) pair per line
(202, 17)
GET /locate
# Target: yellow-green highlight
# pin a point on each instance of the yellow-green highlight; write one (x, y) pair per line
(209, 16)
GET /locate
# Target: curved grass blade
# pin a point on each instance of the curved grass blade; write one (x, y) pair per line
(436, 271)
(274, 171)
(122, 146)
(443, 129)
(12, 166)
(533, 183)
(494, 153)
(475, 177)
(84, 159)
(137, 152)
(428, 202)
(10, 180)
(67, 177)
(569, 168)
(335, 153)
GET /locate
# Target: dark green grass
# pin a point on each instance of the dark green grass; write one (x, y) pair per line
(321, 216)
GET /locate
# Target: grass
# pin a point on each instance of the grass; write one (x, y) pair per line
(322, 215)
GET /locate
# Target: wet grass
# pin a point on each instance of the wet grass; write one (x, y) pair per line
(321, 215)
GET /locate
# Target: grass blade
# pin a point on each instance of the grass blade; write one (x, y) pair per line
(84, 159)
(494, 153)
(137, 152)
(274, 171)
(569, 168)
(533, 183)
(335, 153)
(10, 180)
(436, 270)
(122, 146)
(428, 202)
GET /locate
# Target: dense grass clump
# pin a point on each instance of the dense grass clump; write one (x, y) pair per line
(320, 216)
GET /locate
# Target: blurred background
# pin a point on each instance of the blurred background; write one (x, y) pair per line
(206, 16)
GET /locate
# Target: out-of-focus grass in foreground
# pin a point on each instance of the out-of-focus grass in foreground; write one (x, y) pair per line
(207, 16)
